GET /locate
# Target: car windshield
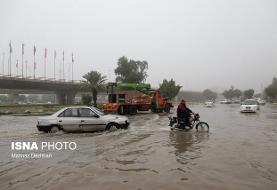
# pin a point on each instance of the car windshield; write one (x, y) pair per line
(249, 102)
(98, 111)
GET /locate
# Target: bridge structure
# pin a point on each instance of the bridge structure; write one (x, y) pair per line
(65, 90)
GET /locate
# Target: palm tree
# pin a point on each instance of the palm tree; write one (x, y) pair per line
(95, 81)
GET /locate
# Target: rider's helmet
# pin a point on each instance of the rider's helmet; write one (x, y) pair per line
(183, 102)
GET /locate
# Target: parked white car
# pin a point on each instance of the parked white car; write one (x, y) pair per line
(81, 119)
(249, 106)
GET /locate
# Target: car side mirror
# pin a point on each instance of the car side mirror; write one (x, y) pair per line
(97, 116)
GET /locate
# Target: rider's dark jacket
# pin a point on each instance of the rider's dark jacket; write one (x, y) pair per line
(183, 112)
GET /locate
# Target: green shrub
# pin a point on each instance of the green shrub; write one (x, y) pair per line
(86, 99)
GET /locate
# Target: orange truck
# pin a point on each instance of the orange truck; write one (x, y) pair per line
(149, 100)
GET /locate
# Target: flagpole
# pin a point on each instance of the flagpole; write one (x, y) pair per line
(3, 63)
(10, 62)
(45, 54)
(8, 68)
(16, 67)
(22, 60)
(72, 66)
(63, 66)
(26, 62)
(34, 66)
(34, 62)
(55, 53)
(60, 70)
(44, 68)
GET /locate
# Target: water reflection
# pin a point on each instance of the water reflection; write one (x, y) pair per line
(187, 144)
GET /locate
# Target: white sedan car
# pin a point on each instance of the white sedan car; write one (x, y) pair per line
(81, 119)
(249, 106)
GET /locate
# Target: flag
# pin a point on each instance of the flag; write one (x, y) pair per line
(22, 49)
(17, 63)
(63, 55)
(35, 50)
(10, 44)
(72, 58)
(55, 54)
(45, 53)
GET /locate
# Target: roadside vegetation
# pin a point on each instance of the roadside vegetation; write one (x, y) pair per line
(248, 93)
(271, 90)
(86, 99)
(232, 93)
(94, 82)
(269, 93)
(237, 94)
(131, 71)
(169, 89)
(209, 95)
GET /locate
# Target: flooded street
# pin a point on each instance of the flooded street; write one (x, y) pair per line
(239, 152)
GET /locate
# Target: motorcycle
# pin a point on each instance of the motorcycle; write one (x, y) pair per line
(195, 122)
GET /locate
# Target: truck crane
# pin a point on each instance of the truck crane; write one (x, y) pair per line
(150, 99)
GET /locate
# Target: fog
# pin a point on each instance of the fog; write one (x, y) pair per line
(200, 44)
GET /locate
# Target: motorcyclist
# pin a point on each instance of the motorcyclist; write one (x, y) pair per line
(184, 113)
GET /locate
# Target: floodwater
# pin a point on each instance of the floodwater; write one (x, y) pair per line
(239, 152)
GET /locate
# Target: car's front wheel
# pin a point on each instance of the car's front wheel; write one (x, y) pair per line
(112, 127)
(54, 129)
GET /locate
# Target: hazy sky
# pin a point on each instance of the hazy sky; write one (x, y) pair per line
(199, 43)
